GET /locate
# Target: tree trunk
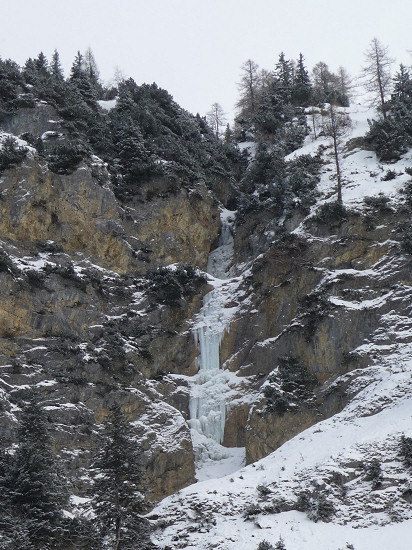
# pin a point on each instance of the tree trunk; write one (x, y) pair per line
(118, 532)
(335, 147)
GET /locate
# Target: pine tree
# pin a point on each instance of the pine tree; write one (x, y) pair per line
(42, 65)
(401, 101)
(77, 67)
(36, 72)
(92, 71)
(56, 68)
(283, 76)
(391, 136)
(33, 485)
(344, 82)
(216, 118)
(10, 79)
(29, 72)
(80, 79)
(228, 134)
(118, 473)
(302, 86)
(327, 86)
(56, 90)
(248, 86)
(90, 66)
(280, 545)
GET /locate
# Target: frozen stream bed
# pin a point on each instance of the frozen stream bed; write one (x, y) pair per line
(212, 387)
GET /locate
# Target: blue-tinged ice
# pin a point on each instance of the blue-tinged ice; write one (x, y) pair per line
(210, 390)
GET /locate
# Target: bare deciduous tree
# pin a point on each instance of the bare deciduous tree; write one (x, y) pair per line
(344, 81)
(248, 86)
(336, 125)
(216, 118)
(90, 65)
(376, 73)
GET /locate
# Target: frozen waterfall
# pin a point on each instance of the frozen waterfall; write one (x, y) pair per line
(210, 390)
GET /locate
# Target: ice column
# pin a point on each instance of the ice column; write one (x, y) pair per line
(207, 402)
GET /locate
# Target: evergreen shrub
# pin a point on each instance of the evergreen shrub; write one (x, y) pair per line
(6, 264)
(331, 213)
(251, 510)
(405, 230)
(321, 509)
(374, 473)
(292, 384)
(11, 153)
(379, 202)
(315, 307)
(168, 286)
(406, 450)
(390, 175)
(65, 158)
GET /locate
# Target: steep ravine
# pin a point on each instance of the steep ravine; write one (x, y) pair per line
(212, 388)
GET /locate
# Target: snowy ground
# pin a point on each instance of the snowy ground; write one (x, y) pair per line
(369, 427)
(361, 170)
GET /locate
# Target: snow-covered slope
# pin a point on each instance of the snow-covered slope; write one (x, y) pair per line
(363, 175)
(329, 463)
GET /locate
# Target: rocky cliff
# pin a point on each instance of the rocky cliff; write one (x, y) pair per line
(75, 321)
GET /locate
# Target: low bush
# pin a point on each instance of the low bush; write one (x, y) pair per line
(331, 213)
(263, 490)
(374, 473)
(389, 175)
(35, 278)
(6, 264)
(289, 386)
(11, 153)
(374, 206)
(66, 272)
(295, 376)
(314, 307)
(275, 402)
(321, 509)
(168, 286)
(406, 450)
(405, 232)
(251, 510)
(64, 159)
(380, 202)
(337, 479)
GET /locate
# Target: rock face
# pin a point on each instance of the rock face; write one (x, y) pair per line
(75, 320)
(319, 297)
(57, 338)
(73, 211)
(81, 214)
(176, 227)
(37, 122)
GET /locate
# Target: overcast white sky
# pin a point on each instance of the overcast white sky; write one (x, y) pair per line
(194, 48)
